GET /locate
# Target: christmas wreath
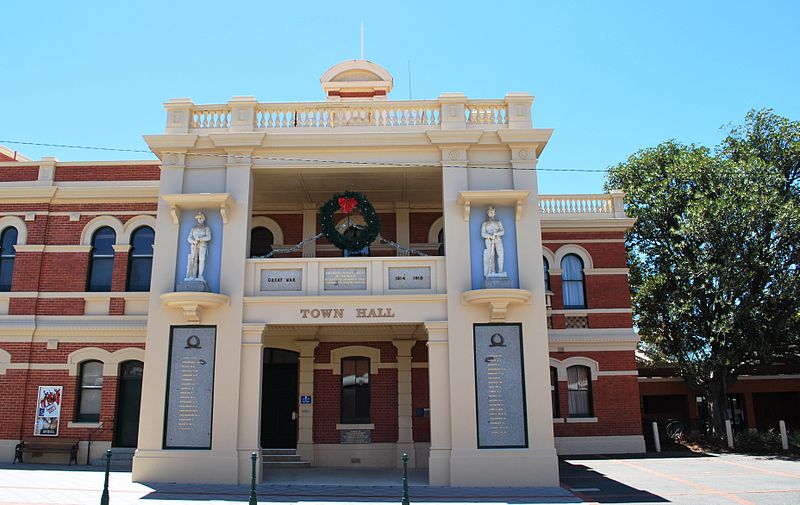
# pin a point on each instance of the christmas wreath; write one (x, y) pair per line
(352, 237)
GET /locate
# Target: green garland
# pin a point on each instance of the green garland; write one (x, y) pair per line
(365, 236)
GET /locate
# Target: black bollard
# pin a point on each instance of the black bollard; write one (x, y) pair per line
(104, 496)
(253, 497)
(405, 480)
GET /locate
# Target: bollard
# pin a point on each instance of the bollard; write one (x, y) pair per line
(405, 480)
(729, 433)
(656, 437)
(784, 436)
(253, 497)
(104, 496)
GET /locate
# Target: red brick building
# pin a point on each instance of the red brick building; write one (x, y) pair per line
(335, 358)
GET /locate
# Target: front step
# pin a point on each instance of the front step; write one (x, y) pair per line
(282, 458)
(120, 456)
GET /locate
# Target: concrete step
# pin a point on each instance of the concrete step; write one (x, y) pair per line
(265, 452)
(286, 464)
(282, 458)
(120, 456)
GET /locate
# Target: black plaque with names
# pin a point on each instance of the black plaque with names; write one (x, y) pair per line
(190, 387)
(500, 386)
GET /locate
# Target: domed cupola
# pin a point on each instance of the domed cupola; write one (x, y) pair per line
(356, 80)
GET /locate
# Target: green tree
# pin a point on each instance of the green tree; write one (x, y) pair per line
(715, 250)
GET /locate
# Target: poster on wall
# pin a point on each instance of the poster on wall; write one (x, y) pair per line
(48, 411)
(190, 387)
(500, 386)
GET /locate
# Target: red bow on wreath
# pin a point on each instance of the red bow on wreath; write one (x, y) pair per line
(347, 204)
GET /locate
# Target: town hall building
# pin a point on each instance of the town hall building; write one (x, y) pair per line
(329, 284)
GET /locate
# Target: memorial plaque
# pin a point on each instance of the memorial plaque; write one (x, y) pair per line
(355, 436)
(410, 278)
(190, 387)
(345, 279)
(282, 279)
(500, 386)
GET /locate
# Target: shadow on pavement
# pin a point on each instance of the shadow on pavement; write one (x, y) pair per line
(643, 455)
(358, 494)
(592, 486)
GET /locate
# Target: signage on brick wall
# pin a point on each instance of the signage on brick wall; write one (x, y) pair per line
(190, 387)
(48, 411)
(500, 386)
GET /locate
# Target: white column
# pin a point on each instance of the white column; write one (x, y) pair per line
(405, 434)
(228, 375)
(403, 227)
(250, 370)
(439, 384)
(309, 229)
(305, 421)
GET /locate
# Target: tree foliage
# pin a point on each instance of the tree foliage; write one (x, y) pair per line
(715, 250)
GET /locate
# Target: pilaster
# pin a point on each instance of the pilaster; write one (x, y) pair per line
(249, 411)
(405, 434)
(305, 421)
(403, 226)
(439, 379)
(309, 229)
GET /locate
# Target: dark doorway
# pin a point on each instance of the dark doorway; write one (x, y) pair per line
(279, 400)
(129, 400)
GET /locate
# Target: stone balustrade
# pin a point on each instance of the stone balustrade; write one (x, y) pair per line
(605, 205)
(449, 111)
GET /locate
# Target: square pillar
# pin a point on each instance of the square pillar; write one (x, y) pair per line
(403, 226)
(405, 433)
(305, 421)
(309, 229)
(439, 384)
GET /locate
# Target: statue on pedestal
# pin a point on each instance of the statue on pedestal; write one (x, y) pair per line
(492, 232)
(199, 237)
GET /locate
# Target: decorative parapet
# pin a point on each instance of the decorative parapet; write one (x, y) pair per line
(608, 205)
(450, 111)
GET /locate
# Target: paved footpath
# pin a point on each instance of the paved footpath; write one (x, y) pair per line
(682, 479)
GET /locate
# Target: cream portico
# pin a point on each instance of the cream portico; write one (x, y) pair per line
(243, 159)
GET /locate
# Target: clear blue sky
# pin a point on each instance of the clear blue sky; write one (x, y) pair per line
(609, 77)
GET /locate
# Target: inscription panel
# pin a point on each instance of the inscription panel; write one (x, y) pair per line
(345, 279)
(190, 387)
(500, 386)
(410, 278)
(355, 436)
(282, 279)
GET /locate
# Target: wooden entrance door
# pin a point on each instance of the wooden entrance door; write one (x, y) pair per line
(129, 400)
(279, 400)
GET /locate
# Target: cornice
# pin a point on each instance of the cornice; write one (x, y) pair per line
(458, 137)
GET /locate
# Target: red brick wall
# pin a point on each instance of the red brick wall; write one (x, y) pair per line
(19, 390)
(420, 398)
(108, 173)
(615, 398)
(64, 271)
(420, 225)
(383, 396)
(15, 174)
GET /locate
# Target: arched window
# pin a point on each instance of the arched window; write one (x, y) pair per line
(140, 261)
(8, 240)
(441, 242)
(355, 390)
(90, 392)
(572, 282)
(546, 274)
(579, 386)
(554, 389)
(261, 240)
(101, 265)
